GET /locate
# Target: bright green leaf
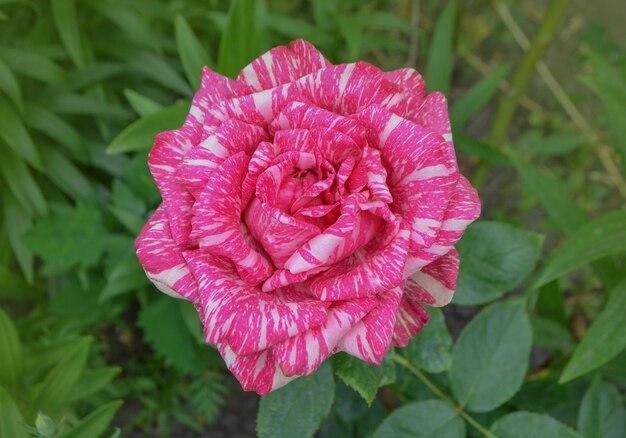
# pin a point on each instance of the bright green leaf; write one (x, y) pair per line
(604, 340)
(598, 238)
(11, 423)
(240, 41)
(140, 134)
(33, 65)
(192, 54)
(297, 410)
(441, 50)
(429, 418)
(602, 413)
(92, 381)
(161, 71)
(144, 106)
(55, 127)
(363, 377)
(96, 423)
(527, 424)
(490, 358)
(495, 258)
(9, 84)
(10, 352)
(430, 350)
(67, 176)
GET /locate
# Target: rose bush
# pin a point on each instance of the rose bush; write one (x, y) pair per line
(308, 208)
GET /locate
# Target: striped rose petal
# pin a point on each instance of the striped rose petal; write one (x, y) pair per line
(411, 318)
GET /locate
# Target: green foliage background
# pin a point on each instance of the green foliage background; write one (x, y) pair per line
(533, 343)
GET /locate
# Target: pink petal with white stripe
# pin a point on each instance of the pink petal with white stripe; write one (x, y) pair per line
(433, 115)
(370, 173)
(282, 65)
(217, 221)
(255, 372)
(259, 162)
(161, 258)
(411, 318)
(371, 337)
(436, 282)
(304, 353)
(243, 316)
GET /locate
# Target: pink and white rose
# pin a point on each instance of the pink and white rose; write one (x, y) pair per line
(308, 208)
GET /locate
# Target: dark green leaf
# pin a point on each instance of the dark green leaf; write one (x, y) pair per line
(495, 258)
(477, 97)
(192, 54)
(56, 128)
(429, 418)
(551, 335)
(297, 410)
(10, 352)
(73, 236)
(527, 424)
(488, 154)
(144, 106)
(17, 222)
(430, 349)
(165, 329)
(441, 50)
(33, 65)
(490, 358)
(604, 340)
(76, 104)
(559, 143)
(22, 184)
(602, 413)
(363, 377)
(92, 381)
(64, 15)
(140, 134)
(9, 84)
(67, 176)
(160, 71)
(598, 238)
(240, 41)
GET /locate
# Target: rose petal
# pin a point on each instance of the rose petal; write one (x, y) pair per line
(436, 282)
(304, 353)
(161, 258)
(217, 220)
(371, 337)
(411, 318)
(248, 319)
(282, 65)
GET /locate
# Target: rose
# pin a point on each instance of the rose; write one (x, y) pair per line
(308, 208)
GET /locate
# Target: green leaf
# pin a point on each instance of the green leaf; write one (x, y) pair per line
(16, 136)
(240, 41)
(365, 378)
(598, 238)
(39, 358)
(441, 50)
(55, 127)
(140, 134)
(73, 236)
(429, 418)
(92, 381)
(490, 358)
(486, 153)
(192, 54)
(527, 424)
(33, 65)
(144, 106)
(9, 84)
(552, 194)
(13, 287)
(477, 97)
(50, 395)
(64, 16)
(602, 413)
(96, 423)
(551, 335)
(604, 340)
(559, 143)
(22, 184)
(608, 85)
(16, 223)
(11, 423)
(430, 349)
(67, 176)
(160, 71)
(495, 258)
(165, 329)
(297, 410)
(76, 104)
(10, 352)
(127, 276)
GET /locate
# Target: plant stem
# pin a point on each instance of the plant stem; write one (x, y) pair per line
(525, 70)
(439, 393)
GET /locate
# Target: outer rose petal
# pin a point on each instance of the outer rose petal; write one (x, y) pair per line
(371, 337)
(243, 316)
(217, 221)
(282, 65)
(161, 258)
(412, 317)
(304, 353)
(256, 372)
(436, 282)
(433, 115)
